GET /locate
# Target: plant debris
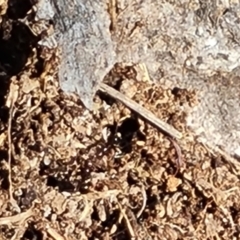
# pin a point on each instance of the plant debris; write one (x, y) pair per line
(68, 173)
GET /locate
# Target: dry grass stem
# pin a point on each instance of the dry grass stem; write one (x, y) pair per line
(131, 232)
(144, 201)
(54, 234)
(21, 217)
(12, 98)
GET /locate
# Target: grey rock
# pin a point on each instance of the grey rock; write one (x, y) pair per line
(190, 44)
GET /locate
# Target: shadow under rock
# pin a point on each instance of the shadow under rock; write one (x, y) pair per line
(16, 44)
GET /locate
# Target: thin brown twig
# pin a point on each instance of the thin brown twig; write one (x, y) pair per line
(143, 112)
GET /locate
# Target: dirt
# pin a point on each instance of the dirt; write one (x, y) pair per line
(68, 173)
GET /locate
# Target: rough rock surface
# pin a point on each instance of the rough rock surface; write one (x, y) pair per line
(186, 44)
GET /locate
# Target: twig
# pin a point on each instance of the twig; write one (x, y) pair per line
(143, 112)
(54, 234)
(228, 158)
(16, 218)
(127, 222)
(10, 154)
(144, 201)
(113, 14)
(13, 95)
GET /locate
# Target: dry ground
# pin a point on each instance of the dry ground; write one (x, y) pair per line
(67, 173)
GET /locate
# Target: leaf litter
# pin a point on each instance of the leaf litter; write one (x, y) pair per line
(71, 179)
